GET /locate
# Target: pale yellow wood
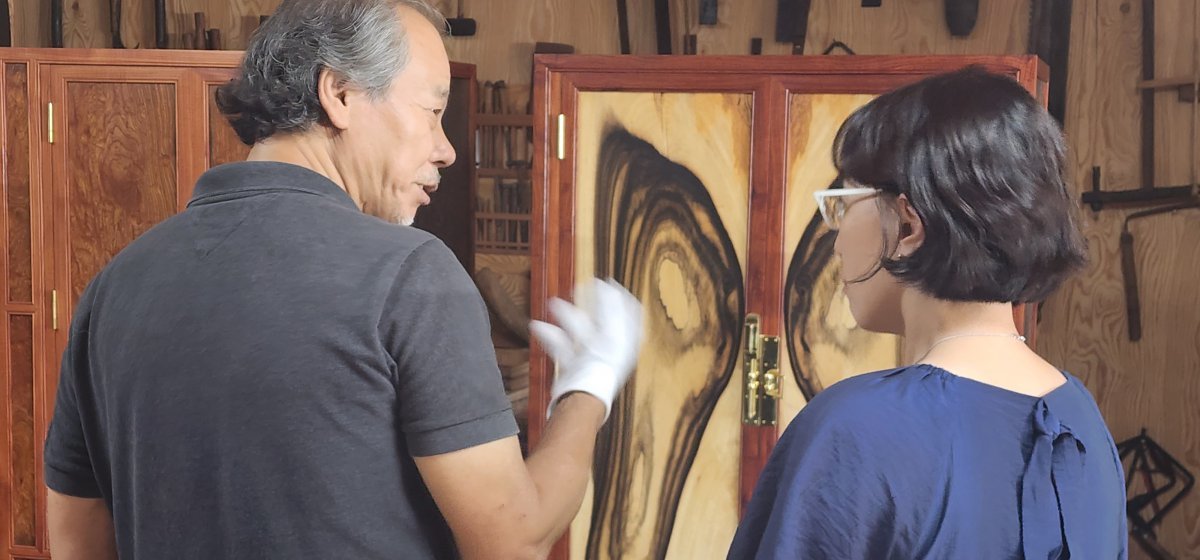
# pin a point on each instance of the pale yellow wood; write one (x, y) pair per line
(715, 149)
(30, 22)
(839, 348)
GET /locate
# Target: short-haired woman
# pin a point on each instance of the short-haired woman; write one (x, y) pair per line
(951, 205)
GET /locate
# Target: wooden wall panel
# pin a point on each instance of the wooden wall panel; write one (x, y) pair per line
(17, 181)
(1153, 383)
(30, 22)
(237, 19)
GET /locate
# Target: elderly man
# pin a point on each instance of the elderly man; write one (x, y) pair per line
(285, 371)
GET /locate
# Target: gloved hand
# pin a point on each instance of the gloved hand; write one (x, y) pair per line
(595, 345)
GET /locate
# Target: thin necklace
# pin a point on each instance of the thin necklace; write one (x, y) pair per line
(954, 336)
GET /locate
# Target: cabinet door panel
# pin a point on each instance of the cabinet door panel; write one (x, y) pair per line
(822, 342)
(662, 206)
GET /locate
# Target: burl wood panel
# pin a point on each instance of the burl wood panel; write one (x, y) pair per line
(24, 440)
(823, 343)
(121, 169)
(663, 208)
(224, 146)
(16, 180)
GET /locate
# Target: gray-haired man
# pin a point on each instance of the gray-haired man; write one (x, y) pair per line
(281, 371)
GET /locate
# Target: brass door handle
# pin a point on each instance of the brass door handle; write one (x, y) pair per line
(761, 385)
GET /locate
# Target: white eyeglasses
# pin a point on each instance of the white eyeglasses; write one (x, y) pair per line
(833, 203)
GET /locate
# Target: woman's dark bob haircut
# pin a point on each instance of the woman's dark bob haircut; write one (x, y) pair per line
(984, 167)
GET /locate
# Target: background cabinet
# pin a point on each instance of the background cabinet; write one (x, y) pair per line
(690, 181)
(99, 146)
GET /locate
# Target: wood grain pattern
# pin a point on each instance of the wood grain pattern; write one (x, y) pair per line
(121, 169)
(823, 342)
(24, 440)
(86, 24)
(30, 23)
(1152, 383)
(17, 183)
(664, 198)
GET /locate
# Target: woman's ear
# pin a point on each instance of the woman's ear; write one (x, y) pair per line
(912, 229)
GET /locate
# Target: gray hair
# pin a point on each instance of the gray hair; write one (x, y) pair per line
(360, 41)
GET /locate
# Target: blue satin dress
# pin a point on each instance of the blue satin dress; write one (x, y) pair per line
(919, 463)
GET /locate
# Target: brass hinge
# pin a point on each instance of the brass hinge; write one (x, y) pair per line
(760, 374)
(54, 309)
(562, 136)
(50, 122)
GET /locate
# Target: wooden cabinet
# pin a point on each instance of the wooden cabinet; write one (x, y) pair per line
(690, 181)
(99, 146)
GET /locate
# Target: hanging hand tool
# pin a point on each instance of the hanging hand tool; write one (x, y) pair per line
(5, 26)
(160, 24)
(838, 45)
(461, 26)
(1146, 193)
(115, 23)
(662, 25)
(791, 23)
(1129, 265)
(56, 23)
(961, 16)
(623, 25)
(1164, 478)
(708, 12)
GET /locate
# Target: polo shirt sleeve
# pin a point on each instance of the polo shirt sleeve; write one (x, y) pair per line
(435, 324)
(68, 465)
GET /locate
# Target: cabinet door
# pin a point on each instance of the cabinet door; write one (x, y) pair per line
(120, 151)
(656, 189)
(125, 142)
(690, 181)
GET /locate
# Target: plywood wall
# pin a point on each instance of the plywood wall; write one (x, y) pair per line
(1154, 383)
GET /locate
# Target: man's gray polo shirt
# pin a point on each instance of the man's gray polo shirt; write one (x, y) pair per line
(251, 378)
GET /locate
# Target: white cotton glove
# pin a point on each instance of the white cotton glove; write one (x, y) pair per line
(595, 345)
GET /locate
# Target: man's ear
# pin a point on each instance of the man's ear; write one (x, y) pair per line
(335, 98)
